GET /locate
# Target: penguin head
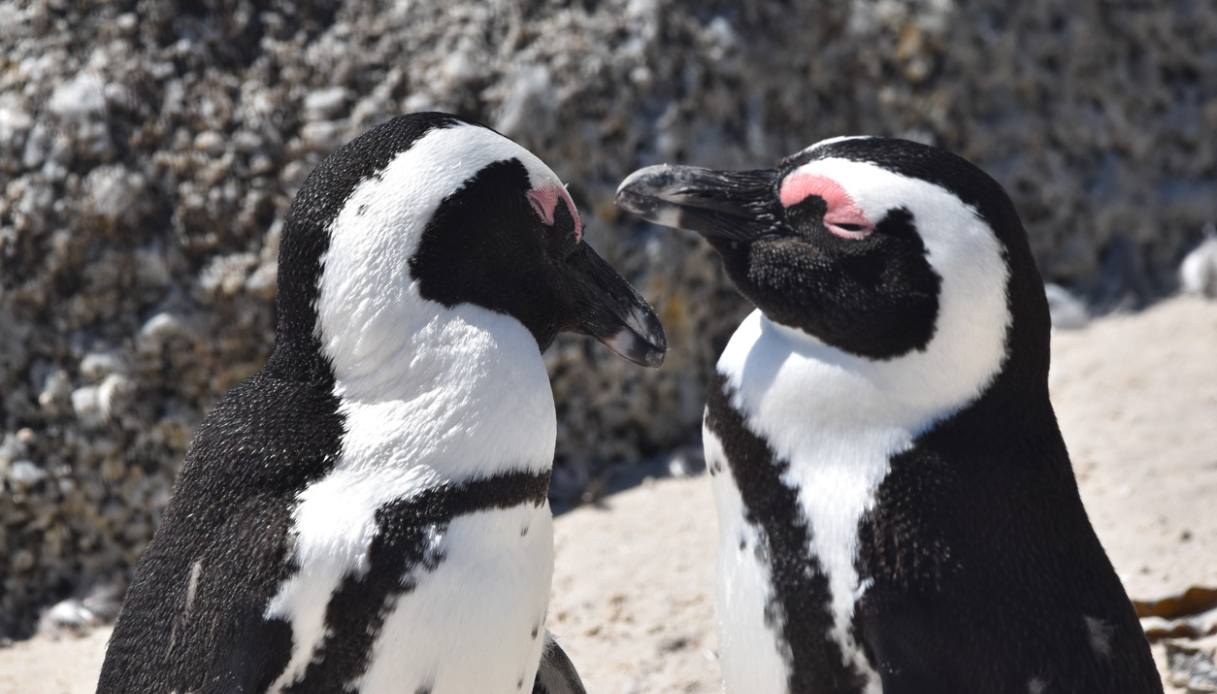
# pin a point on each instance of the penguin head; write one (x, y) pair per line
(878, 248)
(429, 214)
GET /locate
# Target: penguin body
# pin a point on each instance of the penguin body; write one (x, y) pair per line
(369, 512)
(896, 507)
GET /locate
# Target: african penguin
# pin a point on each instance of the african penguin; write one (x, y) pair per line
(368, 512)
(896, 506)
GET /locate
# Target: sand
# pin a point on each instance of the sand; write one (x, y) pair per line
(1136, 396)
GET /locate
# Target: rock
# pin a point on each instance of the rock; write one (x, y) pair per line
(263, 281)
(149, 156)
(1198, 272)
(87, 406)
(226, 275)
(113, 395)
(1191, 668)
(11, 448)
(530, 102)
(24, 474)
(159, 329)
(1068, 312)
(209, 142)
(56, 391)
(67, 617)
(325, 104)
(686, 461)
(80, 97)
(97, 365)
(15, 124)
(113, 194)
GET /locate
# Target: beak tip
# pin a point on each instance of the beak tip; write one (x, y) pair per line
(646, 351)
(639, 192)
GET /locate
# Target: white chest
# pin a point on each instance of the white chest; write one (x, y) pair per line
(835, 426)
(465, 399)
(476, 622)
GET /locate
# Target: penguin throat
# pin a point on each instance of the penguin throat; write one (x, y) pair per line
(460, 394)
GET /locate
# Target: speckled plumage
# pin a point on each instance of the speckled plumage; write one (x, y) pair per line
(369, 512)
(896, 507)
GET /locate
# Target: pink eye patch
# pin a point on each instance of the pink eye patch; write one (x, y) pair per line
(544, 201)
(843, 218)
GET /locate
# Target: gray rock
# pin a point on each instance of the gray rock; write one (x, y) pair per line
(97, 365)
(161, 328)
(113, 193)
(55, 392)
(80, 97)
(325, 104)
(87, 406)
(1198, 272)
(1068, 311)
(11, 448)
(113, 395)
(67, 617)
(148, 158)
(24, 473)
(15, 123)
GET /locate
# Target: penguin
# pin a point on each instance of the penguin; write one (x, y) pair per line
(368, 513)
(896, 505)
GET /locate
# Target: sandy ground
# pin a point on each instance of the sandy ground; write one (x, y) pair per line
(1136, 397)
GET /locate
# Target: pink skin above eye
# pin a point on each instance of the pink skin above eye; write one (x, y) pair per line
(842, 210)
(545, 200)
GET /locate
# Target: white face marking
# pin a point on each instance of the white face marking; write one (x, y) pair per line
(839, 418)
(369, 305)
(430, 395)
(969, 339)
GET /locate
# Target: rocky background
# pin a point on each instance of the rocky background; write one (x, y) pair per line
(149, 150)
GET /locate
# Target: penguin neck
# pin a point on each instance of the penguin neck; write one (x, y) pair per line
(801, 394)
(442, 396)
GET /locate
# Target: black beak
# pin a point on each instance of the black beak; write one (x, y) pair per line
(610, 310)
(720, 205)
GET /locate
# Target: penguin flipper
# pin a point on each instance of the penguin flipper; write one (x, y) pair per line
(556, 674)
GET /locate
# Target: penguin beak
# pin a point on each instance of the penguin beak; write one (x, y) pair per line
(733, 206)
(610, 310)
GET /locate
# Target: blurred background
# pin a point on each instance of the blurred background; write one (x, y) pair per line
(149, 151)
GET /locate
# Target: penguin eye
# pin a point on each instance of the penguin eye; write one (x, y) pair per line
(806, 194)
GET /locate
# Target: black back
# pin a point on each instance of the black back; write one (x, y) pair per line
(262, 443)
